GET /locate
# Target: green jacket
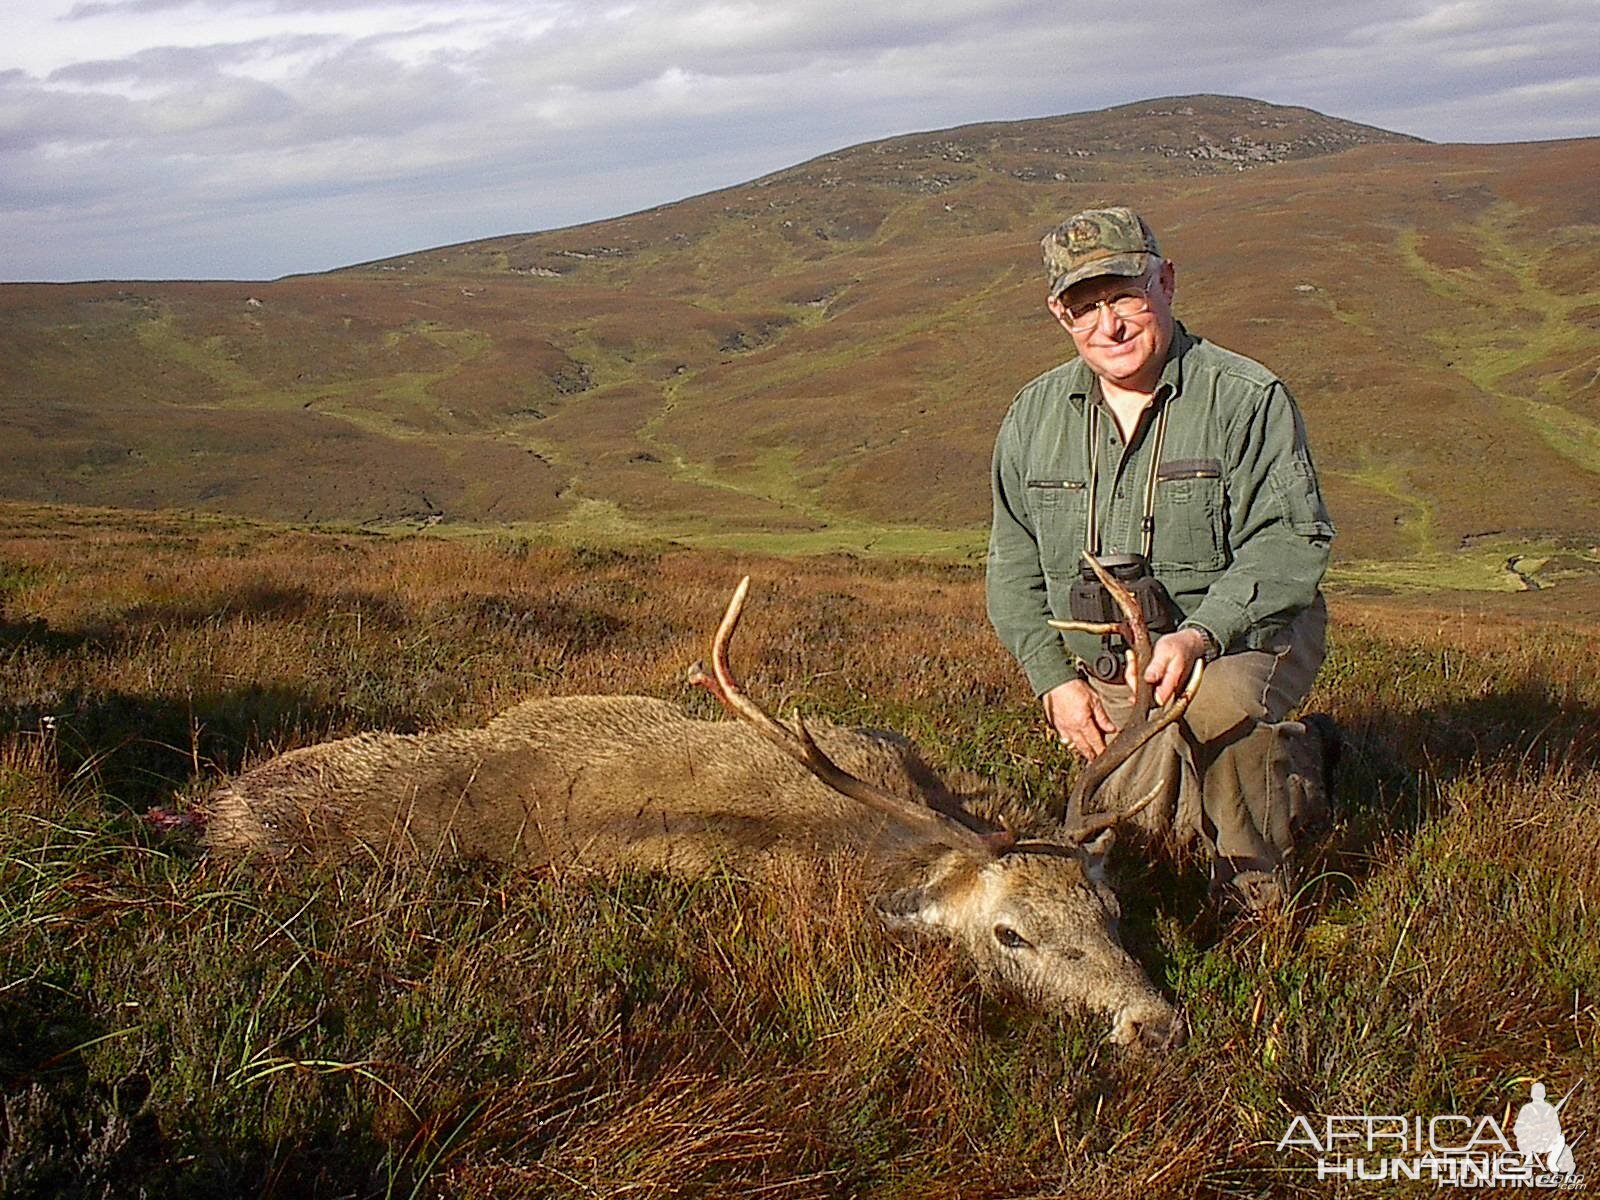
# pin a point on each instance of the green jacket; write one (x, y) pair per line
(1241, 533)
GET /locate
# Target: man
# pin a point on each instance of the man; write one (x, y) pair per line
(1155, 442)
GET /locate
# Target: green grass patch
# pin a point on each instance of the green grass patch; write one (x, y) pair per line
(207, 357)
(889, 541)
(1574, 437)
(1519, 325)
(1390, 481)
(1467, 571)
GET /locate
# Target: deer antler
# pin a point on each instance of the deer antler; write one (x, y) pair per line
(798, 744)
(1145, 723)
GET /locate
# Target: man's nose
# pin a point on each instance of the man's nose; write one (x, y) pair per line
(1106, 320)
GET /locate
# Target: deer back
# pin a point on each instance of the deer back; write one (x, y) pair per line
(596, 781)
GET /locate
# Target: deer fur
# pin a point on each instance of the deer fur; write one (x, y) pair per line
(609, 782)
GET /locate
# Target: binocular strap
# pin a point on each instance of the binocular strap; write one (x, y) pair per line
(1147, 522)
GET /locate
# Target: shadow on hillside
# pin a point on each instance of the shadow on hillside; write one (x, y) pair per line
(139, 749)
(1387, 787)
(573, 621)
(276, 602)
(70, 1136)
(73, 1135)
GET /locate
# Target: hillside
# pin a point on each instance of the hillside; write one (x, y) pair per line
(820, 357)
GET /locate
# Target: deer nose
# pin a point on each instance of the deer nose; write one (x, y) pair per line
(1149, 1028)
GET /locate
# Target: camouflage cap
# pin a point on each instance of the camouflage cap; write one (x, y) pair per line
(1097, 241)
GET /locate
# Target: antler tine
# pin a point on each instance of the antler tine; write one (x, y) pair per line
(1090, 826)
(1129, 740)
(1144, 725)
(799, 745)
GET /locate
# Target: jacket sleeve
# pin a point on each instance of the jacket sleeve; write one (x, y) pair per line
(1279, 529)
(1018, 602)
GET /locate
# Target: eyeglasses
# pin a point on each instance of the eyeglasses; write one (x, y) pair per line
(1081, 318)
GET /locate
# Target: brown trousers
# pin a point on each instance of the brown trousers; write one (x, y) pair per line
(1233, 771)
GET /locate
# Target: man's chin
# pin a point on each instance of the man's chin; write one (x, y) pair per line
(1128, 374)
(1120, 363)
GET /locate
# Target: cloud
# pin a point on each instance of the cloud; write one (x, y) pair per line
(491, 116)
(164, 64)
(117, 8)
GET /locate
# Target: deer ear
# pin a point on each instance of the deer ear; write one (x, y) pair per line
(907, 908)
(1095, 851)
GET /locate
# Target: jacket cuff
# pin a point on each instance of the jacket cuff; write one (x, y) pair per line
(1221, 618)
(1049, 670)
(1214, 647)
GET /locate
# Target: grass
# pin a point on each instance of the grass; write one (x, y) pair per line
(393, 403)
(172, 1027)
(1512, 300)
(161, 336)
(1418, 523)
(1481, 569)
(1573, 436)
(852, 537)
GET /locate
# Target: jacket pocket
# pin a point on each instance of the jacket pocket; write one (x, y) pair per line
(1189, 533)
(1294, 485)
(1059, 508)
(1190, 468)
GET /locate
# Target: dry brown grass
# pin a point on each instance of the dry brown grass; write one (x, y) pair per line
(391, 1031)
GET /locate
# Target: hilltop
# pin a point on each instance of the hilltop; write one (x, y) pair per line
(819, 358)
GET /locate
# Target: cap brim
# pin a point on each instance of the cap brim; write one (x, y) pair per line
(1116, 264)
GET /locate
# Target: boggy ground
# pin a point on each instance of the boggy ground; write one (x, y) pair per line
(170, 1027)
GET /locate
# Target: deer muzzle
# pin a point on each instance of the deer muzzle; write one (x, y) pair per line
(1152, 1026)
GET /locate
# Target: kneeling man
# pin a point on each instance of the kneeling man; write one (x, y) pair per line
(1185, 462)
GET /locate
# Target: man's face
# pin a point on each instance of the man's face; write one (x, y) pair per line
(1127, 351)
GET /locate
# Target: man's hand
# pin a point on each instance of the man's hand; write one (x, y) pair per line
(1171, 660)
(1078, 717)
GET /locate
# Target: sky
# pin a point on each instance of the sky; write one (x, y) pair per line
(248, 139)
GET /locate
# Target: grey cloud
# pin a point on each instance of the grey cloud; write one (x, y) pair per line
(103, 8)
(32, 117)
(166, 63)
(591, 116)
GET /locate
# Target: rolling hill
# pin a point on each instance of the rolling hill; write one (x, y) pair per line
(819, 358)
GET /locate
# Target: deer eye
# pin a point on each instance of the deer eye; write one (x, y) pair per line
(1011, 939)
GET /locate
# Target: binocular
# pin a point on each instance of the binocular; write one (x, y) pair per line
(1089, 601)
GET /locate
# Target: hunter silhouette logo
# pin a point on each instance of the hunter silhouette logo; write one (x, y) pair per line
(1538, 1133)
(1449, 1149)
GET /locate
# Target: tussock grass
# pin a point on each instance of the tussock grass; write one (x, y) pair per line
(171, 1027)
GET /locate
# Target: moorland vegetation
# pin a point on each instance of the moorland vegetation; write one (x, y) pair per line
(818, 359)
(171, 1026)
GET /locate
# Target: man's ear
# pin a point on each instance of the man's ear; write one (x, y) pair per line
(1058, 310)
(1168, 278)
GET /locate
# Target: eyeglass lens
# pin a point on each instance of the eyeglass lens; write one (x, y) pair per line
(1124, 304)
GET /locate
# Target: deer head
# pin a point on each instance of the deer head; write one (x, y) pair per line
(1036, 916)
